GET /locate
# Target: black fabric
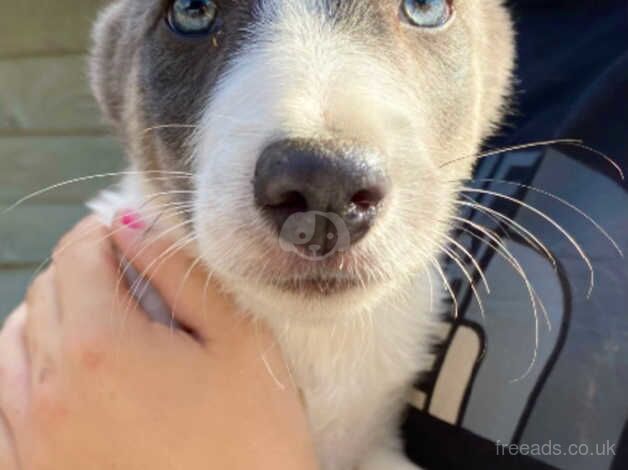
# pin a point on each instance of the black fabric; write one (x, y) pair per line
(621, 458)
(572, 83)
(572, 75)
(439, 446)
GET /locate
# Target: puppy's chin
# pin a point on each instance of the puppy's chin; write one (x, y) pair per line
(308, 301)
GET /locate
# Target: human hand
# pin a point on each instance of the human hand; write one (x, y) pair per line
(87, 380)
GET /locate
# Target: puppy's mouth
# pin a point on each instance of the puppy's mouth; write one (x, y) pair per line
(320, 285)
(335, 275)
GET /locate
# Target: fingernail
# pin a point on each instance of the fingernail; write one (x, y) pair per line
(132, 220)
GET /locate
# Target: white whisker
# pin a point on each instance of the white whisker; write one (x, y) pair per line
(562, 201)
(555, 224)
(542, 143)
(81, 179)
(456, 259)
(472, 259)
(505, 253)
(527, 234)
(454, 300)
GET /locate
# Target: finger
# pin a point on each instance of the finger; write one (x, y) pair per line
(8, 457)
(90, 296)
(183, 283)
(43, 326)
(14, 367)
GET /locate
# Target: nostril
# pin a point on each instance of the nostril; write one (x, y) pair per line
(331, 187)
(367, 198)
(290, 202)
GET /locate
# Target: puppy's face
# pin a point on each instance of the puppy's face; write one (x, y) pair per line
(318, 132)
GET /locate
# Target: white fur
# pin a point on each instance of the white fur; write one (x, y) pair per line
(354, 370)
(354, 355)
(291, 82)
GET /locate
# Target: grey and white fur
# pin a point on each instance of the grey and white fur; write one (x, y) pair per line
(353, 73)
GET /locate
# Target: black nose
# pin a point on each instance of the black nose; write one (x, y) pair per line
(298, 176)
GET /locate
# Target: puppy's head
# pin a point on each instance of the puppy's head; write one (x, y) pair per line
(317, 132)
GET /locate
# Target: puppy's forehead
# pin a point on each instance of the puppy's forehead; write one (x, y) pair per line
(177, 74)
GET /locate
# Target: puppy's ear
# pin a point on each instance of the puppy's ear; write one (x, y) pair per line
(108, 66)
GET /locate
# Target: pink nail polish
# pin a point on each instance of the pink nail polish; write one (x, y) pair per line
(132, 220)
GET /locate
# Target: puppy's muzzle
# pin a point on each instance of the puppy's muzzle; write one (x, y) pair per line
(337, 183)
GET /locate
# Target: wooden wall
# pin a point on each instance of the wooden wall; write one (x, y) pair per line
(50, 131)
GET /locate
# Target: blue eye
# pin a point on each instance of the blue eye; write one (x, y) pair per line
(192, 17)
(428, 13)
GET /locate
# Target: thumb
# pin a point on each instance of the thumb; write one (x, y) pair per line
(192, 299)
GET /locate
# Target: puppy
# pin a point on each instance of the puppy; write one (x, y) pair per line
(310, 152)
